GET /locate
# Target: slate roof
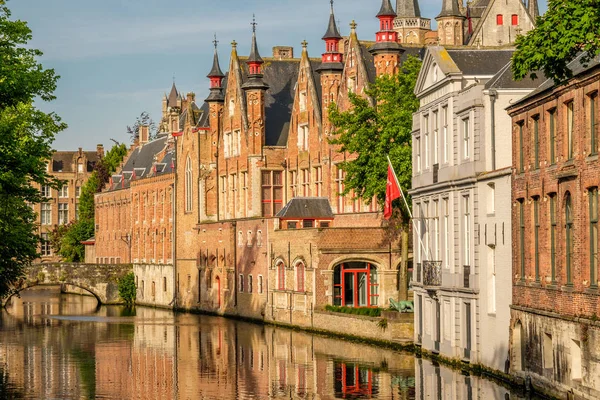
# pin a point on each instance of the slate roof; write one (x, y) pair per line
(408, 8)
(306, 207)
(504, 80)
(281, 76)
(386, 9)
(576, 66)
(173, 96)
(215, 71)
(332, 29)
(480, 62)
(142, 163)
(62, 161)
(450, 9)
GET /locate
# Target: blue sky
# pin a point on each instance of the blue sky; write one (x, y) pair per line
(116, 58)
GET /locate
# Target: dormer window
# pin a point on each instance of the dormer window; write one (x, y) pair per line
(80, 165)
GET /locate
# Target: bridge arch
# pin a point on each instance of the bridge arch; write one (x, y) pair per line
(29, 285)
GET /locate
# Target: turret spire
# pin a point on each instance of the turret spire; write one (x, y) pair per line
(216, 77)
(450, 8)
(255, 63)
(173, 96)
(332, 58)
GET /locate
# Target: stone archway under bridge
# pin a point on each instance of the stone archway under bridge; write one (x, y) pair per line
(101, 280)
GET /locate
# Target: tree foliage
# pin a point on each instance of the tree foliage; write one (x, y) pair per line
(567, 28)
(67, 242)
(127, 289)
(143, 120)
(373, 132)
(26, 136)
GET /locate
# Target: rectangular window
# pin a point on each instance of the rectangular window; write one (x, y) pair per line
(536, 142)
(466, 138)
(244, 193)
(339, 181)
(593, 123)
(318, 181)
(46, 214)
(552, 135)
(249, 283)
(302, 101)
(491, 200)
(293, 183)
(521, 155)
(77, 191)
(522, 239)
(446, 234)
(445, 132)
(418, 153)
(292, 224)
(241, 283)
(46, 191)
(593, 199)
(45, 250)
(227, 140)
(303, 137)
(305, 182)
(436, 230)
(426, 130)
(553, 226)
(536, 236)
(260, 284)
(63, 191)
(308, 223)
(515, 19)
(223, 202)
(435, 137)
(467, 231)
(272, 192)
(570, 122)
(237, 137)
(63, 213)
(499, 19)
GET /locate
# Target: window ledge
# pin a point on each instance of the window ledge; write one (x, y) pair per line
(568, 288)
(536, 284)
(551, 287)
(520, 283)
(592, 290)
(592, 157)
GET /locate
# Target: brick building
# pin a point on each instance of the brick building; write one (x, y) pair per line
(73, 167)
(556, 302)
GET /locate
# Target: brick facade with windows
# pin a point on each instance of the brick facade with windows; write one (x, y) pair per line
(556, 299)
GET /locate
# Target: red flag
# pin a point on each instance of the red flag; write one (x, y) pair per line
(392, 192)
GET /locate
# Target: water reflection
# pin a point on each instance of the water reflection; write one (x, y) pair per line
(156, 354)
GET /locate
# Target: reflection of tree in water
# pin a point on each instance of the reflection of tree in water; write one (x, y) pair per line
(86, 362)
(7, 390)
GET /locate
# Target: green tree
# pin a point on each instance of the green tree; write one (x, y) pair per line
(127, 289)
(26, 136)
(67, 242)
(373, 129)
(567, 28)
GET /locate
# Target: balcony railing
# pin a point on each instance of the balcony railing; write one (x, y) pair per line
(432, 273)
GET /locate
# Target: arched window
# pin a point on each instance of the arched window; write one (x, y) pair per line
(569, 238)
(280, 275)
(356, 284)
(300, 269)
(188, 185)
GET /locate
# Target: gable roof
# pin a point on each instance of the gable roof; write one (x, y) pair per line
(504, 80)
(63, 161)
(480, 62)
(307, 207)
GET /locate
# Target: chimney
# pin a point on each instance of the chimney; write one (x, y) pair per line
(144, 134)
(283, 52)
(100, 150)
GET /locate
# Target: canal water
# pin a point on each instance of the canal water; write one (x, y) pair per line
(56, 346)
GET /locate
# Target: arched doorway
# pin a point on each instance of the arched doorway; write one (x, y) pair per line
(518, 347)
(355, 284)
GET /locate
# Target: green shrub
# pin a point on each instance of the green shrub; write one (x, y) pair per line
(127, 289)
(371, 312)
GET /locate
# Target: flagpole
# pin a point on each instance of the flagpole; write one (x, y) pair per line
(407, 207)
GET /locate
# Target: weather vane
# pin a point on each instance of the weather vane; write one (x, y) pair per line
(253, 23)
(215, 42)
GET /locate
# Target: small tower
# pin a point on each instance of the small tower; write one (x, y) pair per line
(386, 51)
(534, 10)
(450, 24)
(216, 79)
(409, 23)
(255, 89)
(331, 68)
(174, 108)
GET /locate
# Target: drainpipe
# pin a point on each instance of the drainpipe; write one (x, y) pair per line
(493, 95)
(174, 249)
(235, 244)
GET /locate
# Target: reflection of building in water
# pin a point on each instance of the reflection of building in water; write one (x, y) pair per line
(435, 382)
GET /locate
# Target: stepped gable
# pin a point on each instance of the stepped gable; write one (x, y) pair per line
(63, 161)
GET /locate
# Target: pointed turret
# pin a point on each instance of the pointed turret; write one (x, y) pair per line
(386, 50)
(255, 63)
(216, 78)
(450, 8)
(332, 58)
(173, 97)
(408, 9)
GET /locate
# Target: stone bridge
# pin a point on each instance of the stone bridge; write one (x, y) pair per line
(99, 279)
